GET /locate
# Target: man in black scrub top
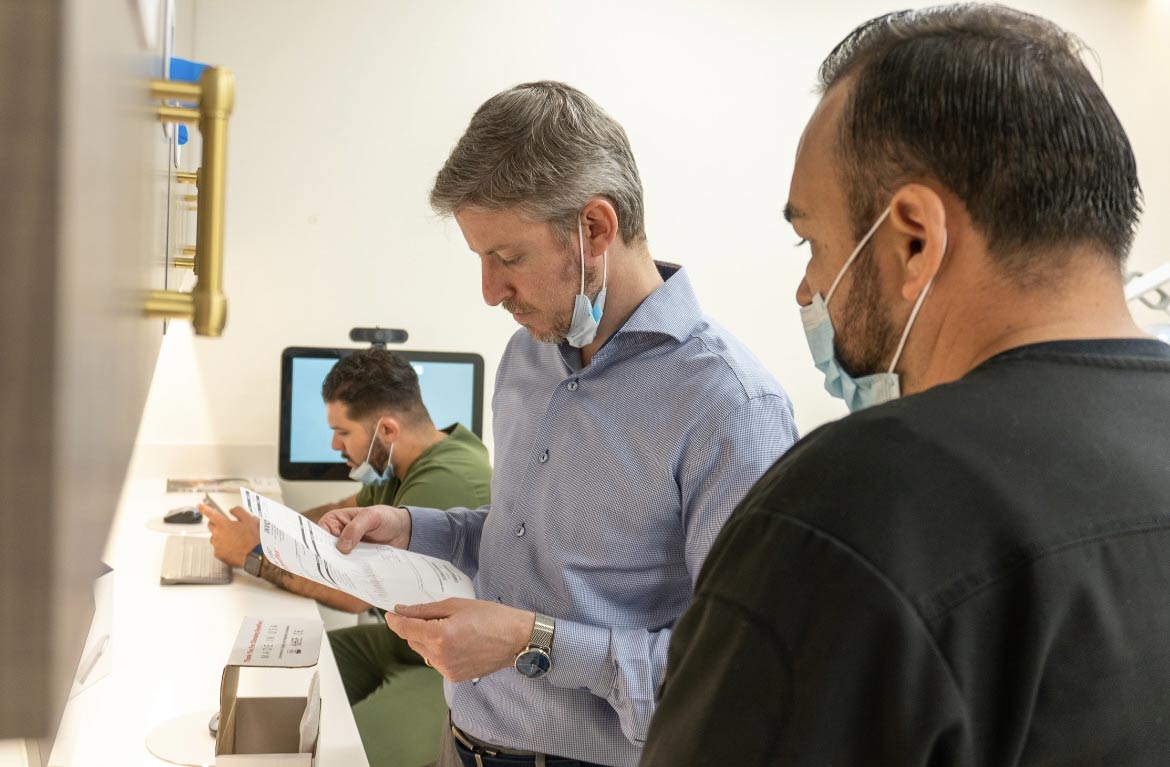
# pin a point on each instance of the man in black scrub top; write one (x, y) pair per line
(974, 567)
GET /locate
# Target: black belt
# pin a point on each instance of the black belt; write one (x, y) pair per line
(475, 753)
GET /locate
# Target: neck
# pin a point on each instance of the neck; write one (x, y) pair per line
(632, 277)
(981, 318)
(411, 444)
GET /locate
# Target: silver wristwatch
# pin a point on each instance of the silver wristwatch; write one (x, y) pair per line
(252, 563)
(535, 660)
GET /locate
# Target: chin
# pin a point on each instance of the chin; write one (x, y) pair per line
(546, 336)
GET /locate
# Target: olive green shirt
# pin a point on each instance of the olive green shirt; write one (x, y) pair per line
(453, 472)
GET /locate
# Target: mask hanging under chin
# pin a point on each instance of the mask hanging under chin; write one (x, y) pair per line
(586, 313)
(367, 474)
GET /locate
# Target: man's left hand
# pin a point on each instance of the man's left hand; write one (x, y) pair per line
(464, 638)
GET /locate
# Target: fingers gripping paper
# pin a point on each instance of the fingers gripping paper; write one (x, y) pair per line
(381, 575)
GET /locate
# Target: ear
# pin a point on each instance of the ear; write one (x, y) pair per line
(389, 429)
(600, 222)
(918, 221)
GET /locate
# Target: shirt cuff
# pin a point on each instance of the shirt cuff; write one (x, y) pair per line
(581, 659)
(430, 532)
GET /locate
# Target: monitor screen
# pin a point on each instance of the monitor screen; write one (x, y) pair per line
(451, 386)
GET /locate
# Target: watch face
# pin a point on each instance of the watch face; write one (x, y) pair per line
(533, 663)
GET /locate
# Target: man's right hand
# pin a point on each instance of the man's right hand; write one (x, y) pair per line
(232, 539)
(374, 524)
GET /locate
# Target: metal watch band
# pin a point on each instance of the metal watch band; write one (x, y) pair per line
(542, 632)
(253, 563)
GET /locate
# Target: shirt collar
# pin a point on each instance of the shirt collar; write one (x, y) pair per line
(672, 309)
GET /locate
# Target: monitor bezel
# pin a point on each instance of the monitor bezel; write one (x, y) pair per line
(339, 471)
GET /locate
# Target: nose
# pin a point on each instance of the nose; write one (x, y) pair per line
(494, 288)
(337, 444)
(804, 294)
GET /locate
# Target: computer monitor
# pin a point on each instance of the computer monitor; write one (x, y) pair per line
(452, 390)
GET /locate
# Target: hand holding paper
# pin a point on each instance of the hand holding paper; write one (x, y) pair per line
(374, 524)
(381, 575)
(464, 638)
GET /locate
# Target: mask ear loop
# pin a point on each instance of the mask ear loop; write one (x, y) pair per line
(853, 256)
(373, 438)
(581, 249)
(914, 312)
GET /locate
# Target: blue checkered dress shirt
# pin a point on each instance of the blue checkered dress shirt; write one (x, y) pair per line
(610, 484)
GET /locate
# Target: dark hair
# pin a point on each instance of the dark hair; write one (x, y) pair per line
(998, 106)
(546, 149)
(375, 380)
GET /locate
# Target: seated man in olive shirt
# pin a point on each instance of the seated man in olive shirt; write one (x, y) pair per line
(978, 573)
(382, 428)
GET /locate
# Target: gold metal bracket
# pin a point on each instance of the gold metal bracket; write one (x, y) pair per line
(186, 260)
(215, 93)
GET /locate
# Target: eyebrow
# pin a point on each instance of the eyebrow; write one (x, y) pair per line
(496, 250)
(791, 212)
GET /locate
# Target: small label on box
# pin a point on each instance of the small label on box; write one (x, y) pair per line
(277, 642)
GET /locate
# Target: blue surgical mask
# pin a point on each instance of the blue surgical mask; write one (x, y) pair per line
(367, 474)
(586, 314)
(865, 391)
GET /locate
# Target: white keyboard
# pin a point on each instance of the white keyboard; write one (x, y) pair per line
(191, 559)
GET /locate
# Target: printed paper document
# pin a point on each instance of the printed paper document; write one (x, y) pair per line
(380, 575)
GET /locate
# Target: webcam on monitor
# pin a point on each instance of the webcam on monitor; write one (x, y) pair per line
(379, 337)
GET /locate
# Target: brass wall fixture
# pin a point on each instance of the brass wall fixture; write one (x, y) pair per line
(186, 260)
(214, 96)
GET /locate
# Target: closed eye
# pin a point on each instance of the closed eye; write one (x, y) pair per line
(803, 241)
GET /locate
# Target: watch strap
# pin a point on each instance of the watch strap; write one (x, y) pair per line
(543, 629)
(253, 564)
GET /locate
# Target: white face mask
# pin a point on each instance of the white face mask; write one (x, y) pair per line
(586, 314)
(367, 474)
(864, 391)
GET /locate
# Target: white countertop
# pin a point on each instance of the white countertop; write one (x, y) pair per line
(168, 645)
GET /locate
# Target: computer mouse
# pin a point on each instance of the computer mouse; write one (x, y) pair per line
(184, 515)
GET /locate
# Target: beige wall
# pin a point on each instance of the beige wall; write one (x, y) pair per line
(346, 110)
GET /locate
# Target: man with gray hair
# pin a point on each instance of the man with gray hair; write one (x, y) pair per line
(627, 426)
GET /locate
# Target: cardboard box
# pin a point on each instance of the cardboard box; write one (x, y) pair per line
(270, 731)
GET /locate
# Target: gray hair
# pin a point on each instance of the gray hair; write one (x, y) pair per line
(545, 149)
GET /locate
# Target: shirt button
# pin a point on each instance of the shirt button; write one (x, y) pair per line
(572, 386)
(544, 457)
(520, 531)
